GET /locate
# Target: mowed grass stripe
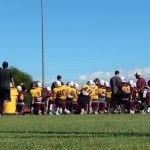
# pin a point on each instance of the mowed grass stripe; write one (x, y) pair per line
(75, 132)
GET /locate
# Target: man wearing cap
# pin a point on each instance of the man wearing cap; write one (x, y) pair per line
(140, 81)
(140, 84)
(146, 95)
(59, 79)
(6, 77)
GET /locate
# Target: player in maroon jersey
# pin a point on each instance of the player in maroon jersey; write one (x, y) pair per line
(124, 90)
(50, 103)
(132, 97)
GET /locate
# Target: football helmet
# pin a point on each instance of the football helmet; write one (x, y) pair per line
(19, 88)
(48, 88)
(39, 84)
(70, 83)
(57, 83)
(96, 81)
(101, 82)
(33, 85)
(134, 84)
(90, 83)
(123, 79)
(131, 82)
(107, 84)
(76, 85)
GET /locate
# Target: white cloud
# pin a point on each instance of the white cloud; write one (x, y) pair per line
(99, 74)
(145, 72)
(129, 74)
(83, 77)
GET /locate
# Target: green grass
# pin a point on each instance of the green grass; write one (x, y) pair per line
(75, 132)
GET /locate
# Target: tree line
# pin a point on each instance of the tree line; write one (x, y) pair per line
(20, 76)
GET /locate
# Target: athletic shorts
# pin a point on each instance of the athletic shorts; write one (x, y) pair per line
(5, 95)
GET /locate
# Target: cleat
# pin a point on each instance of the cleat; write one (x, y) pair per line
(148, 110)
(143, 112)
(57, 113)
(82, 112)
(132, 111)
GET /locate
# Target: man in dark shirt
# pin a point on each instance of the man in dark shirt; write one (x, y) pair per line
(6, 77)
(140, 84)
(59, 79)
(114, 82)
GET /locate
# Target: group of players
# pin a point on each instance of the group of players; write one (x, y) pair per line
(94, 97)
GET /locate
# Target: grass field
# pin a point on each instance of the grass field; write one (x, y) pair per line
(75, 132)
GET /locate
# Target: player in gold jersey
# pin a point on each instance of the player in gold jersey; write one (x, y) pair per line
(86, 96)
(75, 106)
(95, 101)
(42, 102)
(70, 95)
(108, 97)
(60, 95)
(35, 98)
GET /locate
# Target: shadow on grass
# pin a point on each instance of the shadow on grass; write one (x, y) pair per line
(38, 134)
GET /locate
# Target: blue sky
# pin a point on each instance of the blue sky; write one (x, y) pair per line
(83, 39)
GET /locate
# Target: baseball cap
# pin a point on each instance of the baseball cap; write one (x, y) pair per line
(5, 64)
(59, 76)
(137, 74)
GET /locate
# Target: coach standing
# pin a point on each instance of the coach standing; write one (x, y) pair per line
(141, 82)
(59, 79)
(6, 77)
(114, 82)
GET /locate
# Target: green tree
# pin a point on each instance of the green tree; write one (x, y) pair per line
(20, 76)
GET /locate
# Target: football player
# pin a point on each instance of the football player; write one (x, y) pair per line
(108, 97)
(42, 92)
(60, 95)
(95, 101)
(102, 96)
(49, 103)
(20, 100)
(132, 98)
(86, 96)
(136, 98)
(75, 106)
(124, 90)
(35, 99)
(71, 91)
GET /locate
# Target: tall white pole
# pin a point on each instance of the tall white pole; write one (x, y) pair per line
(42, 16)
